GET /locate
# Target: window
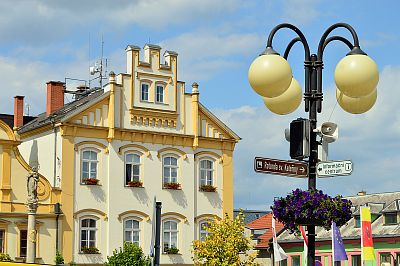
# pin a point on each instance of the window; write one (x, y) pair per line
(358, 221)
(159, 93)
(206, 172)
(295, 260)
(2, 240)
(144, 96)
(23, 237)
(356, 260)
(398, 259)
(132, 167)
(337, 263)
(203, 233)
(89, 164)
(390, 218)
(385, 259)
(283, 262)
(170, 165)
(88, 233)
(170, 233)
(132, 231)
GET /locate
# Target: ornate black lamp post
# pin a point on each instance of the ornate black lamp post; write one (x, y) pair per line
(356, 78)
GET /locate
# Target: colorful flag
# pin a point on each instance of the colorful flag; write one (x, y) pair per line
(366, 237)
(338, 251)
(279, 253)
(305, 240)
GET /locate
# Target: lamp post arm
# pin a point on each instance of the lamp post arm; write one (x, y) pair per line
(336, 38)
(289, 47)
(322, 44)
(299, 33)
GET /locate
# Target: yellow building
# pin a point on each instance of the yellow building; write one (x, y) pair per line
(112, 150)
(13, 212)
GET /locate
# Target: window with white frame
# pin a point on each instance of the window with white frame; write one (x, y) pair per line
(159, 93)
(88, 231)
(89, 164)
(170, 169)
(206, 172)
(144, 92)
(170, 235)
(132, 167)
(203, 230)
(132, 231)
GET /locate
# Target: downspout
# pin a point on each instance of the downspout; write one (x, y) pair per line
(57, 211)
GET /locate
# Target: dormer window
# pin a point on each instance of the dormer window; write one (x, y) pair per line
(390, 218)
(160, 93)
(144, 92)
(357, 221)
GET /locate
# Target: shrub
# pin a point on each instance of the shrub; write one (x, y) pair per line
(59, 258)
(129, 255)
(5, 257)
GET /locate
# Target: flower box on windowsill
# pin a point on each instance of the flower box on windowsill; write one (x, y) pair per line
(90, 181)
(208, 188)
(90, 250)
(135, 183)
(172, 251)
(172, 185)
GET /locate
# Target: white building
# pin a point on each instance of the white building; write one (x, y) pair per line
(142, 129)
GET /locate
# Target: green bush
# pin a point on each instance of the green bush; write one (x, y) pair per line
(5, 257)
(129, 255)
(59, 258)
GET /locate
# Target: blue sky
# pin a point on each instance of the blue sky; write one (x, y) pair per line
(216, 42)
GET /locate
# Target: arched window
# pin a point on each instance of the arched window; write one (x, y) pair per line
(170, 235)
(159, 93)
(206, 172)
(132, 167)
(88, 233)
(170, 169)
(132, 231)
(144, 92)
(203, 230)
(89, 165)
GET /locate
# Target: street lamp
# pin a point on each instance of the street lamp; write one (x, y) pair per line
(356, 77)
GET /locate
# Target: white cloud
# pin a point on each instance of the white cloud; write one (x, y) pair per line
(300, 11)
(370, 140)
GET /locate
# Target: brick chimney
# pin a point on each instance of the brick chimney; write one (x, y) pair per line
(18, 111)
(55, 96)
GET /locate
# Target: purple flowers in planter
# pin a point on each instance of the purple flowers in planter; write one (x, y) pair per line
(311, 207)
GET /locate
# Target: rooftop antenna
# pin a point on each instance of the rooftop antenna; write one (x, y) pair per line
(27, 108)
(98, 67)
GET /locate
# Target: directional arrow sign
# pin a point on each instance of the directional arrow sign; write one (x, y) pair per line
(280, 167)
(334, 168)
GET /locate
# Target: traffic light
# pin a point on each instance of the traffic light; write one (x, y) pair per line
(299, 139)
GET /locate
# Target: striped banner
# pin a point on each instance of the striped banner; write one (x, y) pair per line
(366, 237)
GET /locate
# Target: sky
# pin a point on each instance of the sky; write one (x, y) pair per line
(216, 42)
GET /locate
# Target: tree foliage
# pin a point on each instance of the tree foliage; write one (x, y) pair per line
(225, 245)
(129, 255)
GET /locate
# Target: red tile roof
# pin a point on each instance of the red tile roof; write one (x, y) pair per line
(264, 222)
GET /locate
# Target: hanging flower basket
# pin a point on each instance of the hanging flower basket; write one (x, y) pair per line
(311, 207)
(135, 183)
(90, 181)
(172, 185)
(90, 250)
(208, 188)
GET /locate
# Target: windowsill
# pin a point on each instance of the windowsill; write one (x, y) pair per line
(388, 224)
(172, 188)
(179, 254)
(144, 101)
(84, 184)
(162, 103)
(133, 186)
(83, 253)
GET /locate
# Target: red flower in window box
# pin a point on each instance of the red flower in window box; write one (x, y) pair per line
(90, 181)
(90, 250)
(135, 183)
(172, 185)
(208, 188)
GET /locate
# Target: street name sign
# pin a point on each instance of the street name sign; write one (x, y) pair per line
(334, 168)
(280, 167)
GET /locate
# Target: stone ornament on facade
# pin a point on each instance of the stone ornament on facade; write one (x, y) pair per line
(32, 185)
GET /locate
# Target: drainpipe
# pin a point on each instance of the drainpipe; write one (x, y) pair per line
(57, 211)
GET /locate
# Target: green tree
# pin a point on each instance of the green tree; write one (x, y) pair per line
(129, 255)
(225, 245)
